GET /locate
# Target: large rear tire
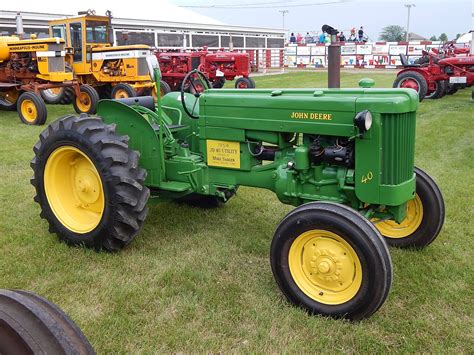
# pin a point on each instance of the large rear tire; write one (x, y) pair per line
(451, 89)
(412, 80)
(329, 260)
(30, 324)
(53, 96)
(31, 109)
(88, 183)
(424, 220)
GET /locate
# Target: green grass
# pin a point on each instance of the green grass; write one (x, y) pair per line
(200, 280)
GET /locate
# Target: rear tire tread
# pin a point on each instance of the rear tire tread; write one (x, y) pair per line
(118, 167)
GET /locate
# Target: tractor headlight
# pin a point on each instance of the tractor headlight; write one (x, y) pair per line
(363, 121)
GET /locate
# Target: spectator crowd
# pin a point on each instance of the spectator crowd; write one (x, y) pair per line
(318, 38)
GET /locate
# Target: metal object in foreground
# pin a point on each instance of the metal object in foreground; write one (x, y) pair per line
(334, 58)
(30, 324)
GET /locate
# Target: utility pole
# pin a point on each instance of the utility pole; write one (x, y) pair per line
(283, 13)
(408, 6)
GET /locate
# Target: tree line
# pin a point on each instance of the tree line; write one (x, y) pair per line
(396, 33)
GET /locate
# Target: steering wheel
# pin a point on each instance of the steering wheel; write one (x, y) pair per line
(196, 82)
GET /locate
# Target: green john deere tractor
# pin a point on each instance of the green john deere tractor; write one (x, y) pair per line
(345, 158)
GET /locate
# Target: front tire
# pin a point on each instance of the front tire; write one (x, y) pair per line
(439, 91)
(218, 83)
(31, 109)
(424, 220)
(87, 100)
(243, 83)
(329, 260)
(88, 183)
(123, 91)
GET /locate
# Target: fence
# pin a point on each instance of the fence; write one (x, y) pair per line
(361, 55)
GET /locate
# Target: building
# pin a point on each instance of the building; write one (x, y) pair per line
(173, 28)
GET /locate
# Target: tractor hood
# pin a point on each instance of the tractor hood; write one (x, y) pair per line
(301, 109)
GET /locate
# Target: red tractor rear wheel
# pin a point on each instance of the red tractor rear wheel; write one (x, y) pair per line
(412, 80)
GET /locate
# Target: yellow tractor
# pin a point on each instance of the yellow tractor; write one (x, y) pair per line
(114, 71)
(28, 66)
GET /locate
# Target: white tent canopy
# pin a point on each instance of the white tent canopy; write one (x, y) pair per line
(158, 10)
(465, 38)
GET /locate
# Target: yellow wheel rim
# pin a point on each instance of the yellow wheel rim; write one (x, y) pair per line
(83, 102)
(121, 94)
(10, 96)
(325, 267)
(28, 110)
(74, 189)
(409, 225)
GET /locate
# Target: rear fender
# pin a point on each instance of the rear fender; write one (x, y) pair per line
(142, 135)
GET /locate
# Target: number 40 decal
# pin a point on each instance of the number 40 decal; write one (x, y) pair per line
(366, 178)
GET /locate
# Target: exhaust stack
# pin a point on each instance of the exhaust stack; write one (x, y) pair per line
(19, 25)
(108, 13)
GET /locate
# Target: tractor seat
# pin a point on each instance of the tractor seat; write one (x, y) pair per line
(404, 60)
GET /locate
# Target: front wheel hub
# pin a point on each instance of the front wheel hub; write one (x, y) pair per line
(325, 267)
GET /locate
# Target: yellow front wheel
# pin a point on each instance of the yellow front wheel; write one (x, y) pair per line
(329, 260)
(123, 91)
(424, 216)
(88, 183)
(86, 101)
(31, 109)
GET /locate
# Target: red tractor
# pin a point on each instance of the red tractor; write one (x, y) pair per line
(437, 74)
(217, 66)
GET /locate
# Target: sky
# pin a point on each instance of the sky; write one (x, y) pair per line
(427, 18)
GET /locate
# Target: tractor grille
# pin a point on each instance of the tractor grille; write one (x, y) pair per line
(398, 147)
(56, 64)
(142, 66)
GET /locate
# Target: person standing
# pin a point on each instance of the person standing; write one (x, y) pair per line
(361, 34)
(292, 38)
(342, 38)
(299, 38)
(322, 38)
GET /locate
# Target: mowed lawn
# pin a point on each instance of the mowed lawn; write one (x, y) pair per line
(200, 280)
